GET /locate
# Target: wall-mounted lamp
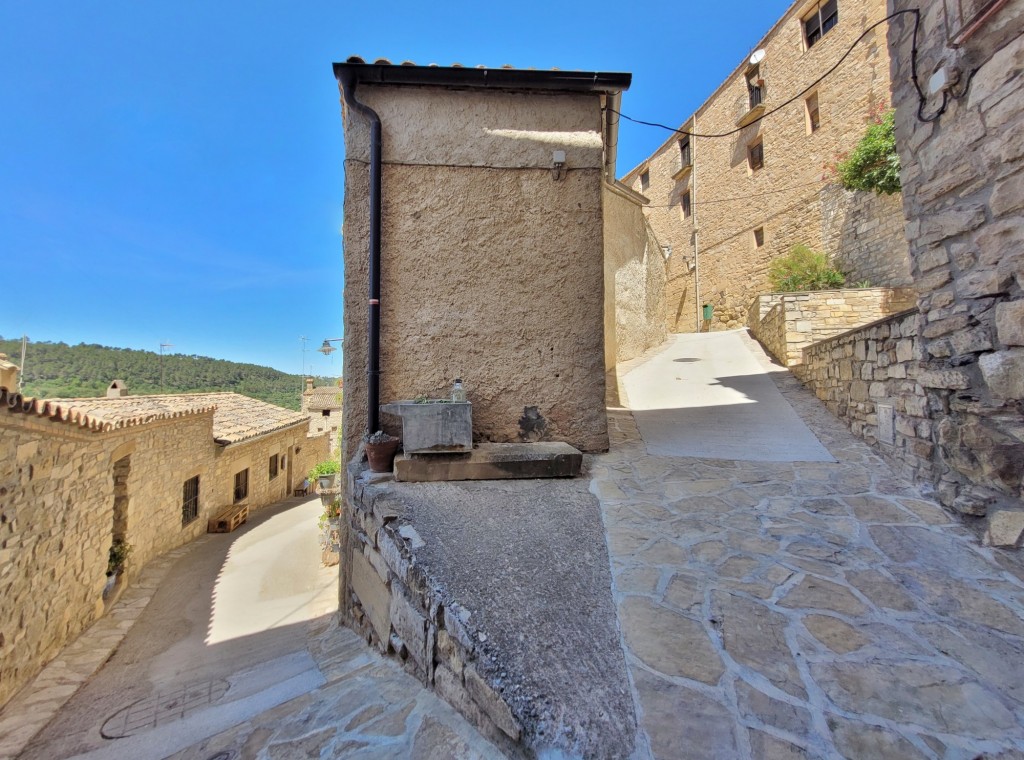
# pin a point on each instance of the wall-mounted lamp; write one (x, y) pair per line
(327, 349)
(666, 251)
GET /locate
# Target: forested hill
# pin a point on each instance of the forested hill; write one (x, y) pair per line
(57, 370)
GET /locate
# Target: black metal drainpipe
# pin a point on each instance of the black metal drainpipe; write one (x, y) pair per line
(348, 85)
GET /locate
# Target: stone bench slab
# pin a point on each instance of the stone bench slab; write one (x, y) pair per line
(492, 461)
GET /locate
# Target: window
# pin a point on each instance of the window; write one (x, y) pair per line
(241, 485)
(274, 461)
(755, 155)
(813, 115)
(645, 180)
(684, 152)
(758, 237)
(190, 501)
(325, 413)
(755, 93)
(684, 204)
(820, 22)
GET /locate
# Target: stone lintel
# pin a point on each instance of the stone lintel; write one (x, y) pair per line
(492, 461)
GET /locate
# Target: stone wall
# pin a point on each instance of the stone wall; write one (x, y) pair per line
(865, 233)
(714, 250)
(388, 599)
(302, 450)
(879, 363)
(963, 194)
(796, 320)
(634, 279)
(492, 267)
(60, 512)
(55, 523)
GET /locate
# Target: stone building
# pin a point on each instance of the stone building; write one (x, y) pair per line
(940, 388)
(323, 407)
(77, 473)
(491, 254)
(725, 207)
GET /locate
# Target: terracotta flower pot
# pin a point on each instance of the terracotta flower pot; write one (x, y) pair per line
(381, 455)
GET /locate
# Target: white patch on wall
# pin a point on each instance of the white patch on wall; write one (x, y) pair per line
(886, 423)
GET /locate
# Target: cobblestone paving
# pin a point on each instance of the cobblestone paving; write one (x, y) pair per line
(369, 709)
(808, 610)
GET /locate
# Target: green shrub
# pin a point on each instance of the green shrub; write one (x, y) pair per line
(874, 164)
(329, 467)
(803, 269)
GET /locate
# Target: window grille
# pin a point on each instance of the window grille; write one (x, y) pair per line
(241, 485)
(684, 152)
(190, 501)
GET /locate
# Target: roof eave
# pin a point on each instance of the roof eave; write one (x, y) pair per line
(504, 79)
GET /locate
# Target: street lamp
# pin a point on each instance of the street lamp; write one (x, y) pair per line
(327, 349)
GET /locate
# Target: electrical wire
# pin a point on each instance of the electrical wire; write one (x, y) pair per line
(922, 100)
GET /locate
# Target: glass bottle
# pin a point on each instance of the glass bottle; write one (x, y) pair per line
(458, 392)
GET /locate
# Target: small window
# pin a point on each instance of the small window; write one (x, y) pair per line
(190, 501)
(645, 181)
(684, 152)
(755, 155)
(813, 114)
(684, 204)
(241, 485)
(758, 237)
(325, 413)
(820, 21)
(274, 461)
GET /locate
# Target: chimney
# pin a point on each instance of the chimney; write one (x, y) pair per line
(8, 373)
(117, 389)
(309, 384)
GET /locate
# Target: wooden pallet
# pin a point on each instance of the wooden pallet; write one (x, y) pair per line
(229, 519)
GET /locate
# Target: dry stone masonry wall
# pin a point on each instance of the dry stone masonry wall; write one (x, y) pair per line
(388, 599)
(963, 182)
(796, 320)
(865, 232)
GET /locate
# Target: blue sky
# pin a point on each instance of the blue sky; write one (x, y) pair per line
(172, 172)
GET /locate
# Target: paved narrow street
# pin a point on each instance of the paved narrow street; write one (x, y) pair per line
(774, 607)
(238, 654)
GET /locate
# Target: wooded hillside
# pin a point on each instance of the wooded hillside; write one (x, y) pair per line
(57, 370)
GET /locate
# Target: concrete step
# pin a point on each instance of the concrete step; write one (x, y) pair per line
(492, 461)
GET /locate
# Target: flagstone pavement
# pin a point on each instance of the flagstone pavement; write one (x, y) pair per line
(807, 610)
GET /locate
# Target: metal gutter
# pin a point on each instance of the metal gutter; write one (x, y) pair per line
(509, 79)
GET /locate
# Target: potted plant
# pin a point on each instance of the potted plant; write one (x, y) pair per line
(117, 556)
(380, 450)
(325, 473)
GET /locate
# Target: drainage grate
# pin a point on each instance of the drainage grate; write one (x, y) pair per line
(162, 708)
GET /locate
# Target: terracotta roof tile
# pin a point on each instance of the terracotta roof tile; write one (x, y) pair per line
(235, 417)
(327, 397)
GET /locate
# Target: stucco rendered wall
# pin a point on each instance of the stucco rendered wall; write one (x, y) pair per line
(634, 279)
(963, 194)
(491, 267)
(716, 244)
